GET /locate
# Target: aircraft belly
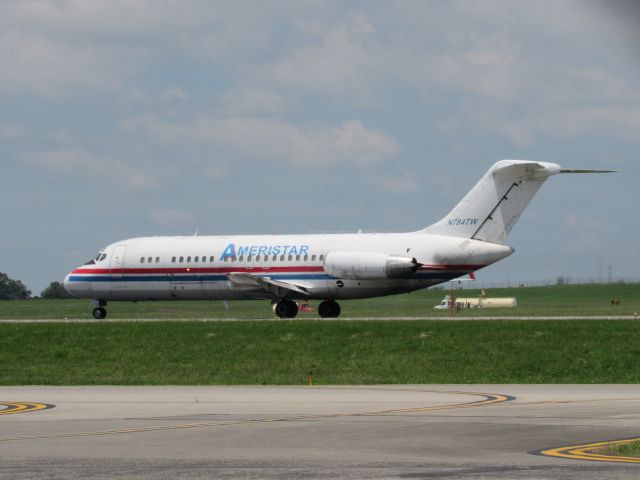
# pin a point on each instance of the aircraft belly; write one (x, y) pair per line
(222, 290)
(352, 289)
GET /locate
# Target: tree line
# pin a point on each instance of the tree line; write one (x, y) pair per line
(11, 289)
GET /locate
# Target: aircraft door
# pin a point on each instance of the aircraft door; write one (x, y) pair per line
(117, 266)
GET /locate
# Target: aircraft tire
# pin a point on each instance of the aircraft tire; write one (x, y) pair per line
(293, 309)
(329, 309)
(286, 309)
(99, 313)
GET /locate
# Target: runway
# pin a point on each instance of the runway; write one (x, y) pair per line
(305, 318)
(398, 431)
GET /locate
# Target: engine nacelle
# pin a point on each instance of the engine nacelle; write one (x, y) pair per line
(369, 265)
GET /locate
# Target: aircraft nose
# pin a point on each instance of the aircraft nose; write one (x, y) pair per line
(68, 285)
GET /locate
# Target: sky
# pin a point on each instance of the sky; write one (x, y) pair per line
(121, 119)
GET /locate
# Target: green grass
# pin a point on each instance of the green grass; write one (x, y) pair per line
(627, 450)
(592, 300)
(355, 352)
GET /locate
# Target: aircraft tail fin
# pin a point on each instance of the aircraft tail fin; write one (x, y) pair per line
(494, 205)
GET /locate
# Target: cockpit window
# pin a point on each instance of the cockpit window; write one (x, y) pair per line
(100, 256)
(94, 260)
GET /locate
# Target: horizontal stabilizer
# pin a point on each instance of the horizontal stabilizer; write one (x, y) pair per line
(569, 170)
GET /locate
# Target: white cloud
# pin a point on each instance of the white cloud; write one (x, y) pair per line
(275, 140)
(571, 123)
(12, 131)
(99, 170)
(344, 64)
(34, 64)
(252, 100)
(400, 183)
(63, 48)
(174, 93)
(171, 218)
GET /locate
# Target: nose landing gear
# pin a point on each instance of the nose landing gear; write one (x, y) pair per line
(99, 312)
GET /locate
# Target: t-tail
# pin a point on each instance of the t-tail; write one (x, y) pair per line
(494, 205)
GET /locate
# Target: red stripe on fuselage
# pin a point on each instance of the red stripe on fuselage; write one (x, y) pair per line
(451, 267)
(119, 271)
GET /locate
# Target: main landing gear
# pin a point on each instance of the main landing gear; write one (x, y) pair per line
(286, 309)
(289, 309)
(329, 309)
(100, 312)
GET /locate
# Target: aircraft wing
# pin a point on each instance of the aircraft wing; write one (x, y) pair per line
(248, 281)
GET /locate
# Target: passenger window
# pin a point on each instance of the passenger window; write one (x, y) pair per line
(150, 260)
(195, 259)
(211, 259)
(181, 259)
(141, 259)
(241, 258)
(282, 258)
(249, 258)
(275, 257)
(306, 257)
(173, 260)
(188, 259)
(157, 259)
(297, 258)
(313, 257)
(321, 258)
(290, 257)
(266, 257)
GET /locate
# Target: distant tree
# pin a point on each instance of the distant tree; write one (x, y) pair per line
(55, 290)
(11, 289)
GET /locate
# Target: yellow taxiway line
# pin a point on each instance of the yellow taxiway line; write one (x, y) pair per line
(589, 451)
(488, 399)
(22, 407)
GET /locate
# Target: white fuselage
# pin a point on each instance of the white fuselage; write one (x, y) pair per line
(159, 268)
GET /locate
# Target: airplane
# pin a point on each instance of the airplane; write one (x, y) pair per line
(325, 267)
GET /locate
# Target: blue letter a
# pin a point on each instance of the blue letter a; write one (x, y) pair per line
(230, 251)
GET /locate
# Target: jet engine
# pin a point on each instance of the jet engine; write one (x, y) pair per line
(369, 265)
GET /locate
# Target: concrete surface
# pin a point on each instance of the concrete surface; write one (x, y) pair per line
(399, 431)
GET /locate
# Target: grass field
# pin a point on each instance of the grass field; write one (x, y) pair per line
(353, 352)
(627, 450)
(339, 352)
(591, 300)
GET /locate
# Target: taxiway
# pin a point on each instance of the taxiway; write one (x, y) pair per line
(398, 431)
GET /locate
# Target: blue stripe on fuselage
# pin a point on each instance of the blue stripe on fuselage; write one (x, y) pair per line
(186, 278)
(221, 278)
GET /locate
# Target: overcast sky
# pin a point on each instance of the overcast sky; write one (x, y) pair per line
(121, 119)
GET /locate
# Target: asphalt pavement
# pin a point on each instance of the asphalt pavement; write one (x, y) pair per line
(397, 431)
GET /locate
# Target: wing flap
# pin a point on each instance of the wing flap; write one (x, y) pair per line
(278, 288)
